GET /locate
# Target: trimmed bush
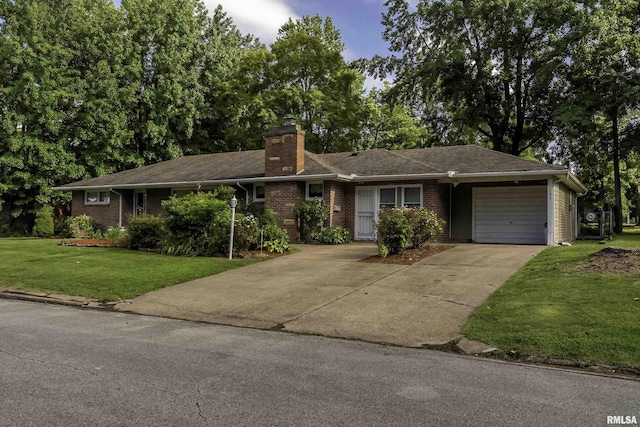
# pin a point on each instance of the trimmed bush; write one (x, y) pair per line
(146, 231)
(400, 228)
(43, 226)
(425, 225)
(394, 230)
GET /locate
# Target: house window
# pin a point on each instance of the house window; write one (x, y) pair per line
(412, 197)
(387, 198)
(97, 197)
(258, 192)
(315, 190)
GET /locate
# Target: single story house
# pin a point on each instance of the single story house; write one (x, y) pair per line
(483, 195)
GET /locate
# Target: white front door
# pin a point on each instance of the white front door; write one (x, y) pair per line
(365, 213)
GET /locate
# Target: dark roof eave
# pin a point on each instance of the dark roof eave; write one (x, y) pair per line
(227, 181)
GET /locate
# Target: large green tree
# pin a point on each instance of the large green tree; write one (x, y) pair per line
(603, 86)
(56, 60)
(487, 65)
(310, 79)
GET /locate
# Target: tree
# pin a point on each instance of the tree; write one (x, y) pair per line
(390, 125)
(36, 89)
(488, 64)
(164, 62)
(310, 80)
(604, 82)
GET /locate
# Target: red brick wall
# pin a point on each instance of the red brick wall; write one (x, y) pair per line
(283, 198)
(434, 197)
(106, 215)
(154, 198)
(334, 198)
(284, 151)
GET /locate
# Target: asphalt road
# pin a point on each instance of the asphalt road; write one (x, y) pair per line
(65, 366)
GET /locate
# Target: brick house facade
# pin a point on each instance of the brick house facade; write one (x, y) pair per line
(483, 196)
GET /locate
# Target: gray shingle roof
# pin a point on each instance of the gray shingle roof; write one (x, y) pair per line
(245, 165)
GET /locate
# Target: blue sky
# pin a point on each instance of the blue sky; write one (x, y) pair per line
(357, 20)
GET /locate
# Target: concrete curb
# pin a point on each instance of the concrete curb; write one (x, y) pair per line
(58, 299)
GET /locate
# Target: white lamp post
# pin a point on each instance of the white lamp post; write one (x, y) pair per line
(234, 203)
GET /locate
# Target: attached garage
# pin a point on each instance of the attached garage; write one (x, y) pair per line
(514, 214)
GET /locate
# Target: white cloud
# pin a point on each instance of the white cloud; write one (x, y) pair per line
(262, 18)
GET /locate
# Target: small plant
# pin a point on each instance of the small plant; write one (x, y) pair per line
(146, 231)
(43, 226)
(383, 250)
(275, 239)
(85, 227)
(117, 236)
(277, 246)
(335, 235)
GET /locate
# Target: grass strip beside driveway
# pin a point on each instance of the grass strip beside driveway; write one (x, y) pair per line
(108, 274)
(550, 310)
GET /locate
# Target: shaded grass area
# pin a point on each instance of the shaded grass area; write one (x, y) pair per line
(550, 310)
(108, 274)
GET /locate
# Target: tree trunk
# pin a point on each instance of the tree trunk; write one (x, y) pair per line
(617, 210)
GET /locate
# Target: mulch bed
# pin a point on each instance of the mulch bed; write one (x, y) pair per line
(96, 243)
(408, 257)
(612, 260)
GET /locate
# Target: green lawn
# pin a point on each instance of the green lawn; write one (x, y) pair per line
(108, 274)
(547, 309)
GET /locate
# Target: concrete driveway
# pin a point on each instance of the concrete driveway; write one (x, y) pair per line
(324, 290)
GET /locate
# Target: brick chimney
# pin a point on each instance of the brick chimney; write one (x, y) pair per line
(284, 149)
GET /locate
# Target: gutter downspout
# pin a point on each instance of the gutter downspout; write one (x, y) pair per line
(119, 207)
(246, 193)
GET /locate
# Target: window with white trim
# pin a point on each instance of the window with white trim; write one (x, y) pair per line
(412, 197)
(409, 196)
(315, 190)
(258, 192)
(97, 197)
(387, 197)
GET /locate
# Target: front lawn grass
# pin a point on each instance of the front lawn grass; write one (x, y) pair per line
(108, 274)
(549, 310)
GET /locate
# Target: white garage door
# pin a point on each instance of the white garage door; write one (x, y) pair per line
(510, 214)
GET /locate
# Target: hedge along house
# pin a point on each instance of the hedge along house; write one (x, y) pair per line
(483, 195)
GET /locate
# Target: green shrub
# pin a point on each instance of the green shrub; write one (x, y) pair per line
(394, 230)
(117, 236)
(425, 225)
(311, 217)
(62, 227)
(43, 226)
(268, 218)
(199, 224)
(275, 238)
(146, 231)
(85, 227)
(277, 246)
(334, 235)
